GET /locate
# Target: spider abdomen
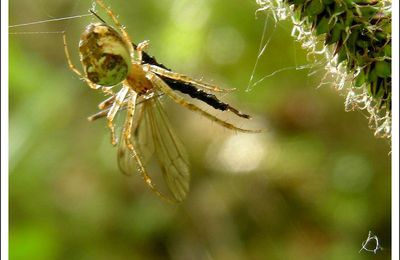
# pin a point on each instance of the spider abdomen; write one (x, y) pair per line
(104, 55)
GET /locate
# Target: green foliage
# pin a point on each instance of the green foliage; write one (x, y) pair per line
(357, 34)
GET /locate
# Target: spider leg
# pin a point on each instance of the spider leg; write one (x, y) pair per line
(119, 99)
(142, 46)
(106, 90)
(119, 25)
(127, 131)
(184, 78)
(104, 112)
(129, 119)
(159, 83)
(73, 68)
(101, 114)
(106, 103)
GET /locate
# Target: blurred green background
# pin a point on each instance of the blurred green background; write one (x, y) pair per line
(311, 187)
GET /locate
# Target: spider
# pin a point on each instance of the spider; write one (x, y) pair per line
(109, 59)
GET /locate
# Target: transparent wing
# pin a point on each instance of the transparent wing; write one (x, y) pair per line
(141, 137)
(170, 152)
(152, 132)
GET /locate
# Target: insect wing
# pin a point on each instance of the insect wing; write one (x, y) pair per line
(152, 132)
(170, 151)
(141, 139)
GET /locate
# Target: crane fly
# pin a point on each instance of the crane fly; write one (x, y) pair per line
(109, 59)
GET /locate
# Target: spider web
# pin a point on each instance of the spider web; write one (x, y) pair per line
(314, 65)
(336, 74)
(14, 31)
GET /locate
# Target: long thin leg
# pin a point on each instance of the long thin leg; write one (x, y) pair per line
(118, 102)
(184, 78)
(119, 25)
(106, 90)
(142, 46)
(159, 83)
(127, 139)
(129, 118)
(107, 102)
(101, 114)
(73, 68)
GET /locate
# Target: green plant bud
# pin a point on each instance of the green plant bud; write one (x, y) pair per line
(349, 18)
(372, 88)
(322, 26)
(351, 41)
(372, 76)
(383, 69)
(386, 26)
(360, 79)
(335, 33)
(342, 55)
(360, 60)
(388, 50)
(315, 8)
(327, 2)
(297, 2)
(349, 3)
(380, 90)
(350, 62)
(381, 36)
(339, 9)
(362, 44)
(364, 2)
(366, 11)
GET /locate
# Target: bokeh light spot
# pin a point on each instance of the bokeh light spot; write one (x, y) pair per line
(225, 45)
(351, 173)
(241, 153)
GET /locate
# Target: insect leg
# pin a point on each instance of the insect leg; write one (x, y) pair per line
(127, 139)
(159, 83)
(185, 79)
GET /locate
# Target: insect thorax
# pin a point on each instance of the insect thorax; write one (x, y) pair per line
(104, 55)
